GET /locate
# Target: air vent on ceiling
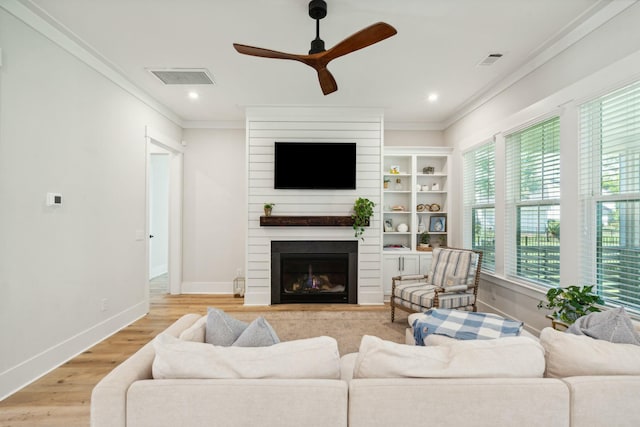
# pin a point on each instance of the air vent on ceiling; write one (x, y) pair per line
(183, 76)
(490, 59)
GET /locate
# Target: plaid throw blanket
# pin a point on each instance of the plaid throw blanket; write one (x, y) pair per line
(464, 325)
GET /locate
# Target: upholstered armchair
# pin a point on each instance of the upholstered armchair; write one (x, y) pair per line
(452, 283)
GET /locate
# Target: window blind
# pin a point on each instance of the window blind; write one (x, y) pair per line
(479, 202)
(610, 195)
(532, 205)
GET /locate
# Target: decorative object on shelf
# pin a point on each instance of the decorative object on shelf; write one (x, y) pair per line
(398, 184)
(388, 225)
(423, 242)
(238, 287)
(394, 169)
(435, 186)
(437, 241)
(425, 188)
(402, 228)
(267, 208)
(398, 208)
(421, 226)
(362, 211)
(429, 170)
(420, 208)
(434, 207)
(418, 187)
(438, 224)
(570, 303)
(386, 182)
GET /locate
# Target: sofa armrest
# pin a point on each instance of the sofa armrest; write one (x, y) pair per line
(108, 399)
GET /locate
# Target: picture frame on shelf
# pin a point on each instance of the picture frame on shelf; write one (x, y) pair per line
(437, 224)
(388, 225)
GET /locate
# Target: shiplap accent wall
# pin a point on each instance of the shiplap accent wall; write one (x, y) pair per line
(265, 126)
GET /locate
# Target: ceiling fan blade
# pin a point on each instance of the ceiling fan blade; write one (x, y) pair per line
(327, 82)
(363, 38)
(265, 53)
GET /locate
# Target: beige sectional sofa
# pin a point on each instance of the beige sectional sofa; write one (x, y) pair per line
(365, 395)
(128, 396)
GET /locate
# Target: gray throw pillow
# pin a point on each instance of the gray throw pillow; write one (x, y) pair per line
(222, 329)
(259, 333)
(611, 325)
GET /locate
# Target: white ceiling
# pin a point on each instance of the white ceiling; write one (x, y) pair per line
(437, 49)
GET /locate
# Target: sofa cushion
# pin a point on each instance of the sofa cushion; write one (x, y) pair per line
(610, 325)
(259, 333)
(511, 357)
(306, 358)
(195, 332)
(573, 355)
(222, 329)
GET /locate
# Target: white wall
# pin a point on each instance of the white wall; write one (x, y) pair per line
(264, 127)
(414, 138)
(70, 275)
(214, 209)
(607, 58)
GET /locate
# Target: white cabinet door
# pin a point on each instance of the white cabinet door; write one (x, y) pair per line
(425, 263)
(397, 265)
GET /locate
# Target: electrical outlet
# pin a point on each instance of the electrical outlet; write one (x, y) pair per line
(103, 304)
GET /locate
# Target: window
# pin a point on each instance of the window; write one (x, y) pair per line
(479, 203)
(532, 216)
(610, 195)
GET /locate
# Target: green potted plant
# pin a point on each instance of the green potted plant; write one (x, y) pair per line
(423, 241)
(570, 303)
(362, 211)
(267, 208)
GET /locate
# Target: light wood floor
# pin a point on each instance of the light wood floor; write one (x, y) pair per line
(61, 398)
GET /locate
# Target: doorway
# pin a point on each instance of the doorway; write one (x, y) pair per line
(158, 220)
(164, 213)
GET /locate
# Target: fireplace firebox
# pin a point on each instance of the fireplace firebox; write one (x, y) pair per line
(314, 272)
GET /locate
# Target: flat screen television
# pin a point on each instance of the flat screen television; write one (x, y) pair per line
(315, 165)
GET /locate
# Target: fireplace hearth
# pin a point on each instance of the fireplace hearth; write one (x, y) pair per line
(314, 272)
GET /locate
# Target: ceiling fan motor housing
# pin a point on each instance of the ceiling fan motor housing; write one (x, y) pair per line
(317, 9)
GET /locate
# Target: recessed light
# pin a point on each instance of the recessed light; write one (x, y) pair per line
(433, 97)
(193, 95)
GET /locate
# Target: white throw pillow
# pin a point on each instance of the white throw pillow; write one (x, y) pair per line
(307, 358)
(511, 357)
(195, 332)
(571, 355)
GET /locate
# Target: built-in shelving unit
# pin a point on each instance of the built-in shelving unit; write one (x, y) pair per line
(415, 198)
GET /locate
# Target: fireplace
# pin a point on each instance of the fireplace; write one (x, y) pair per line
(314, 272)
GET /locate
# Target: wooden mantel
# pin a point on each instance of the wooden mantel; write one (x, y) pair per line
(306, 221)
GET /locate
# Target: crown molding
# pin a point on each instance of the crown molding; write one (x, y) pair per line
(40, 21)
(605, 11)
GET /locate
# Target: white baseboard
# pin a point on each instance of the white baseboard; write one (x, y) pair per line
(21, 375)
(207, 288)
(257, 298)
(370, 298)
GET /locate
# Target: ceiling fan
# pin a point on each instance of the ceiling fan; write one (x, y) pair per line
(318, 57)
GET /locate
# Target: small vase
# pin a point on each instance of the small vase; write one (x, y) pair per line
(267, 211)
(421, 226)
